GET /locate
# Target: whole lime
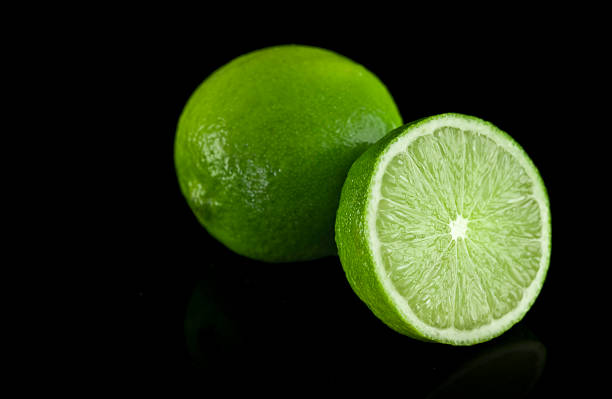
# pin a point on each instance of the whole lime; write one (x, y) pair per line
(265, 142)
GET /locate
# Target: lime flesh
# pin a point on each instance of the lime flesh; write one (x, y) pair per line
(453, 223)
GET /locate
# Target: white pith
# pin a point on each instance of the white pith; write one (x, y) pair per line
(458, 229)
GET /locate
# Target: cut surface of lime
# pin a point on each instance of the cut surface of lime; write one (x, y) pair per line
(453, 227)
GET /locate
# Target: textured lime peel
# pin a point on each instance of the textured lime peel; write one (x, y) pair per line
(443, 230)
(265, 142)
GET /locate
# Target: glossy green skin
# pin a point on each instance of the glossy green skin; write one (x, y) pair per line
(264, 144)
(352, 238)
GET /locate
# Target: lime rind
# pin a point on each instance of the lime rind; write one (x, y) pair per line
(263, 146)
(375, 286)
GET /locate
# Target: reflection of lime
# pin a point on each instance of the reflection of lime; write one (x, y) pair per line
(212, 339)
(507, 371)
(264, 144)
(443, 230)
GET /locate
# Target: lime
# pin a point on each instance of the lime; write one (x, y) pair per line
(443, 230)
(264, 144)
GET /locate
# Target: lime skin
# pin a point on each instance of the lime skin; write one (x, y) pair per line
(264, 144)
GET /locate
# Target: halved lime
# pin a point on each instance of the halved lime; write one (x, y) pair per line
(443, 230)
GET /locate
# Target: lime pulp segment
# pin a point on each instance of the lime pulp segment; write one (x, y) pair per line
(459, 227)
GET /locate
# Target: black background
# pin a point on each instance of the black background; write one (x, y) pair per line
(195, 316)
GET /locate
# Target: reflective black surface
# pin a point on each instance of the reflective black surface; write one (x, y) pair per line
(309, 330)
(196, 316)
(230, 318)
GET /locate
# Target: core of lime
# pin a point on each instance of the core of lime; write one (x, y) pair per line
(444, 231)
(265, 142)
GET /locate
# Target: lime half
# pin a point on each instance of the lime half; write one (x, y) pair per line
(443, 230)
